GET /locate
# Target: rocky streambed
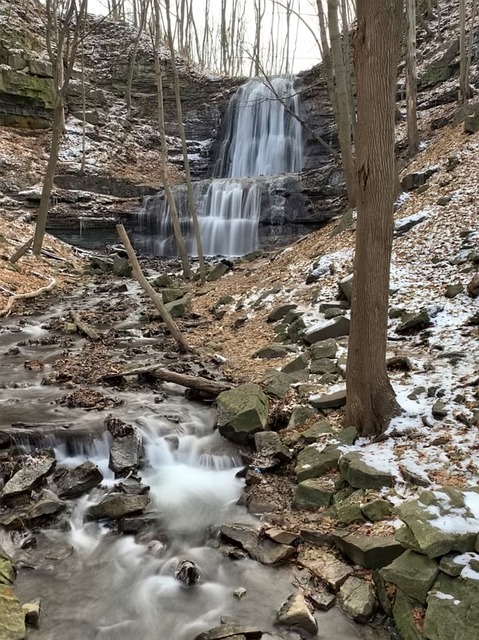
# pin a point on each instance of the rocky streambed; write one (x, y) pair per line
(121, 509)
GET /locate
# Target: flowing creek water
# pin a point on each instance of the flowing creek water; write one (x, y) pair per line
(95, 583)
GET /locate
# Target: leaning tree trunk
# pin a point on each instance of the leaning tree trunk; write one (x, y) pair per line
(371, 400)
(42, 216)
(411, 79)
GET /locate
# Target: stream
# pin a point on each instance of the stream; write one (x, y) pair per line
(95, 583)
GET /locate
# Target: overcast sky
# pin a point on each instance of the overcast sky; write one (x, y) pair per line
(306, 52)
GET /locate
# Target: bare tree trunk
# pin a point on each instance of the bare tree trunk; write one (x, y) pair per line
(148, 289)
(47, 187)
(371, 401)
(175, 220)
(471, 45)
(131, 68)
(344, 121)
(464, 87)
(327, 59)
(184, 147)
(348, 67)
(59, 40)
(411, 79)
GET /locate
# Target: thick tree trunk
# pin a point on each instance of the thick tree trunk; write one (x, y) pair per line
(371, 400)
(344, 121)
(411, 79)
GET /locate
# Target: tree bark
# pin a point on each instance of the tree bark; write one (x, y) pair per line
(411, 79)
(344, 116)
(371, 401)
(84, 327)
(148, 289)
(175, 220)
(184, 148)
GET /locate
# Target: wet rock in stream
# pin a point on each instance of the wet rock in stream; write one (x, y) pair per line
(117, 505)
(187, 573)
(72, 483)
(35, 467)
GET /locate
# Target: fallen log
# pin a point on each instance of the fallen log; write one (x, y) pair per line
(25, 296)
(21, 251)
(210, 387)
(84, 327)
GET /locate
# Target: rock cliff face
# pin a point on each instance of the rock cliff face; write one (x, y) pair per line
(122, 153)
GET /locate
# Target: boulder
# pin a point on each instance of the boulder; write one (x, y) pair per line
(334, 313)
(125, 454)
(424, 515)
(313, 463)
(322, 599)
(218, 272)
(408, 615)
(334, 400)
(452, 609)
(118, 505)
(262, 550)
(35, 468)
(294, 613)
(316, 432)
(324, 331)
(416, 179)
(179, 308)
(415, 320)
(231, 631)
(313, 493)
(325, 566)
(268, 443)
(41, 68)
(346, 287)
(48, 505)
(324, 365)
(370, 552)
(281, 536)
(301, 363)
(300, 415)
(242, 412)
(357, 599)
(324, 349)
(273, 350)
(172, 294)
(121, 267)
(413, 573)
(454, 290)
(471, 123)
(12, 616)
(377, 510)
(473, 286)
(278, 313)
(277, 383)
(73, 482)
(32, 611)
(8, 572)
(360, 473)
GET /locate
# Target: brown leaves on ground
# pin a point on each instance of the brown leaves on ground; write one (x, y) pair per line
(89, 399)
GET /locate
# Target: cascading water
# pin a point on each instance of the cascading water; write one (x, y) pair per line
(261, 138)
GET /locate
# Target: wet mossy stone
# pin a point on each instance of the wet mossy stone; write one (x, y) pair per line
(412, 572)
(357, 599)
(317, 431)
(424, 515)
(452, 609)
(7, 568)
(361, 474)
(301, 363)
(369, 551)
(278, 313)
(179, 308)
(324, 349)
(313, 463)
(276, 383)
(377, 510)
(300, 415)
(405, 613)
(242, 412)
(171, 294)
(12, 616)
(349, 509)
(313, 493)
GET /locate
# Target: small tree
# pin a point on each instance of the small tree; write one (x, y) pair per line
(64, 24)
(411, 79)
(371, 401)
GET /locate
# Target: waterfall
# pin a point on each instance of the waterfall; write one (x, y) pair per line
(261, 138)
